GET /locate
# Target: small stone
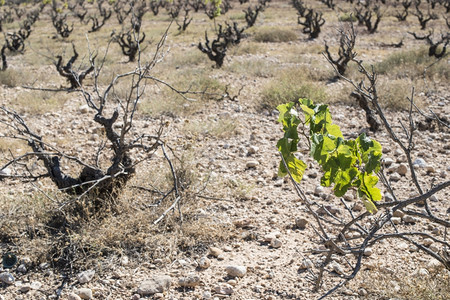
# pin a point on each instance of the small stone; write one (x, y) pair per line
(190, 281)
(124, 260)
(388, 197)
(22, 268)
(44, 265)
(204, 262)
(252, 149)
(25, 288)
(358, 206)
(402, 169)
(84, 109)
(433, 198)
(409, 219)
(223, 289)
(419, 163)
(368, 252)
(232, 282)
(402, 246)
(427, 242)
(422, 272)
(7, 278)
(35, 285)
(236, 271)
(306, 264)
(135, 297)
(388, 161)
(206, 295)
(251, 164)
(337, 268)
(73, 296)
(318, 190)
(275, 243)
(434, 265)
(396, 220)
(398, 214)
(434, 248)
(362, 292)
(395, 177)
(84, 293)
(157, 284)
(215, 252)
(301, 223)
(85, 276)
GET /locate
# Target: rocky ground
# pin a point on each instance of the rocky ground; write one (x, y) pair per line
(269, 253)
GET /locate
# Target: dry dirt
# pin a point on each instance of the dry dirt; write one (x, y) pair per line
(242, 208)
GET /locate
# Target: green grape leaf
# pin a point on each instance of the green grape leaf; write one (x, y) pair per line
(296, 168)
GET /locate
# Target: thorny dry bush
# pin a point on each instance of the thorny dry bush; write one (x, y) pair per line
(348, 238)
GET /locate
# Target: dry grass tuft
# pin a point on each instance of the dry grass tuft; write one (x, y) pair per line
(275, 35)
(290, 85)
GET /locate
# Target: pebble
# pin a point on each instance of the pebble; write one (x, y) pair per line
(420, 163)
(396, 220)
(206, 295)
(236, 271)
(85, 276)
(388, 161)
(190, 281)
(22, 269)
(306, 264)
(84, 109)
(402, 169)
(337, 268)
(388, 197)
(427, 242)
(398, 214)
(25, 288)
(433, 198)
(251, 164)
(301, 223)
(409, 219)
(84, 293)
(35, 285)
(7, 278)
(395, 177)
(275, 243)
(368, 252)
(204, 262)
(73, 296)
(252, 149)
(215, 252)
(434, 265)
(223, 289)
(318, 190)
(157, 284)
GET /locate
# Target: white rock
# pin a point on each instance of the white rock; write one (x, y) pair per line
(306, 264)
(7, 278)
(275, 243)
(223, 289)
(409, 219)
(206, 295)
(368, 252)
(395, 176)
(85, 276)
(396, 220)
(84, 293)
(398, 214)
(337, 268)
(420, 163)
(434, 265)
(251, 164)
(388, 161)
(191, 280)
(204, 262)
(318, 190)
(157, 284)
(84, 109)
(388, 197)
(428, 242)
(36, 285)
(73, 296)
(236, 271)
(214, 251)
(252, 149)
